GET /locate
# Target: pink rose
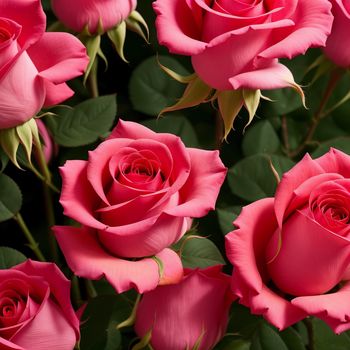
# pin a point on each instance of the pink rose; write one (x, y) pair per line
(79, 14)
(237, 44)
(291, 253)
(136, 195)
(338, 44)
(35, 308)
(34, 65)
(193, 311)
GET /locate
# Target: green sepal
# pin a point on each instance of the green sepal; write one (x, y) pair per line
(178, 77)
(136, 23)
(9, 142)
(92, 44)
(322, 65)
(131, 319)
(144, 341)
(196, 93)
(230, 103)
(251, 101)
(117, 36)
(160, 266)
(25, 136)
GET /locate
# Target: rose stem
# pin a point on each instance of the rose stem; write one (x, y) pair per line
(50, 214)
(43, 179)
(310, 331)
(92, 79)
(335, 77)
(32, 243)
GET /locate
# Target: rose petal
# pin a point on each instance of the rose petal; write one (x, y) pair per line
(311, 259)
(77, 196)
(332, 308)
(87, 258)
(202, 187)
(335, 161)
(291, 180)
(125, 240)
(245, 248)
(176, 27)
(59, 286)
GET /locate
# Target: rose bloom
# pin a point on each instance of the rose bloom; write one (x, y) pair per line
(338, 44)
(135, 195)
(34, 65)
(291, 253)
(182, 315)
(35, 308)
(236, 44)
(91, 14)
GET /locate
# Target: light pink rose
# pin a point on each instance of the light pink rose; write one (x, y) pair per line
(179, 315)
(338, 44)
(79, 14)
(136, 195)
(34, 65)
(291, 253)
(237, 44)
(35, 308)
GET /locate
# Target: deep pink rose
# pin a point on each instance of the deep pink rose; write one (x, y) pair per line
(35, 309)
(136, 195)
(338, 44)
(291, 253)
(79, 14)
(178, 316)
(34, 65)
(236, 44)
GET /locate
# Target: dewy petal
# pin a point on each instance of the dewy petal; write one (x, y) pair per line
(8, 345)
(59, 56)
(332, 308)
(245, 248)
(177, 27)
(49, 329)
(87, 258)
(77, 196)
(292, 179)
(202, 187)
(30, 15)
(56, 93)
(313, 20)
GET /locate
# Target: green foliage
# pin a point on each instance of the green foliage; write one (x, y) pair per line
(226, 216)
(99, 322)
(84, 123)
(10, 198)
(252, 178)
(10, 257)
(178, 125)
(151, 89)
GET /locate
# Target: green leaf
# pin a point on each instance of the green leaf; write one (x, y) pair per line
(260, 138)
(84, 123)
(283, 102)
(151, 89)
(99, 321)
(233, 344)
(267, 339)
(341, 143)
(4, 159)
(200, 252)
(10, 198)
(226, 217)
(326, 339)
(252, 178)
(292, 339)
(10, 257)
(177, 125)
